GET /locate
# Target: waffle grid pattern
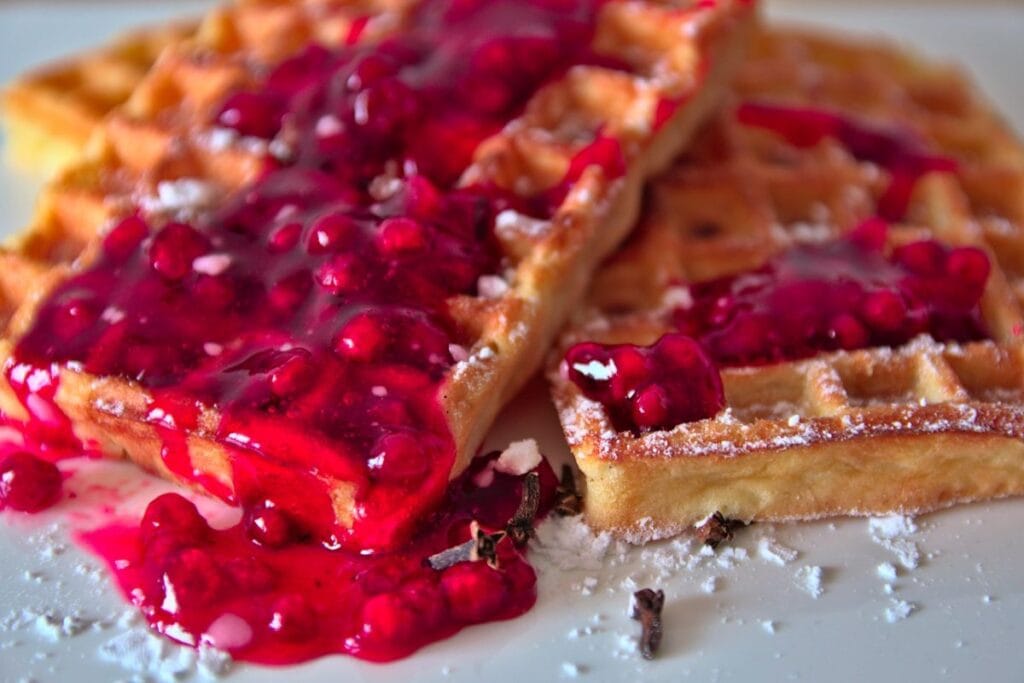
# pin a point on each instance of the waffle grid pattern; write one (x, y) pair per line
(156, 141)
(51, 112)
(743, 194)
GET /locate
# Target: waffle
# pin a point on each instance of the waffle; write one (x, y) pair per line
(50, 112)
(862, 432)
(158, 138)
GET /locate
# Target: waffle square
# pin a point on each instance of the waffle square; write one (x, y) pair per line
(158, 154)
(50, 112)
(875, 430)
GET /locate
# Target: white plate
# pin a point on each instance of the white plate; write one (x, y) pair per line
(968, 591)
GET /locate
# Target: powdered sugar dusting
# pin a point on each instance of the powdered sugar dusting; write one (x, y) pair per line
(898, 610)
(140, 651)
(893, 533)
(770, 550)
(184, 197)
(567, 543)
(809, 580)
(512, 225)
(518, 458)
(886, 571)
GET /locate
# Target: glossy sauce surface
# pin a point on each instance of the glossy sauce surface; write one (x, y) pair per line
(308, 314)
(310, 309)
(260, 591)
(842, 295)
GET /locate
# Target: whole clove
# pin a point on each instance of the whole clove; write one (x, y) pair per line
(480, 546)
(646, 608)
(716, 529)
(520, 528)
(569, 502)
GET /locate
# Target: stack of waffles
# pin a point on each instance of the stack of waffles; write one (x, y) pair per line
(825, 156)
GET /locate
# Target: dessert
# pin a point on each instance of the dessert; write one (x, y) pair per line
(304, 265)
(275, 278)
(820, 311)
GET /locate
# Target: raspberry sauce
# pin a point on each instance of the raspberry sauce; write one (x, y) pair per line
(303, 326)
(262, 592)
(643, 388)
(901, 153)
(846, 294)
(28, 483)
(310, 309)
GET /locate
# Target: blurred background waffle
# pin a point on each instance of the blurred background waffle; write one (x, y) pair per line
(49, 113)
(861, 432)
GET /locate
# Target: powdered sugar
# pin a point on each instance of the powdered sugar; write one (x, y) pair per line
(567, 543)
(892, 526)
(183, 197)
(892, 533)
(898, 610)
(809, 580)
(54, 626)
(886, 571)
(512, 225)
(518, 458)
(211, 264)
(571, 670)
(491, 286)
(141, 652)
(774, 552)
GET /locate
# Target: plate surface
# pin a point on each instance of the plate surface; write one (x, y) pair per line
(759, 622)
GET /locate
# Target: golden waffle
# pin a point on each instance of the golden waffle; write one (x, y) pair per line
(50, 112)
(844, 433)
(157, 137)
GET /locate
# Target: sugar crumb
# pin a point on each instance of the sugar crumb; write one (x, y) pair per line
(899, 610)
(809, 579)
(886, 571)
(770, 550)
(571, 670)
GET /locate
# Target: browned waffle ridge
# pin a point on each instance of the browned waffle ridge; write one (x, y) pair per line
(873, 431)
(50, 112)
(157, 136)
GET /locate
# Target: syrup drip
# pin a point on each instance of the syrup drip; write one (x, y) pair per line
(259, 592)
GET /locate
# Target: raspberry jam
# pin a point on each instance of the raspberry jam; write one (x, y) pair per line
(847, 294)
(303, 326)
(900, 153)
(639, 385)
(310, 309)
(260, 592)
(28, 483)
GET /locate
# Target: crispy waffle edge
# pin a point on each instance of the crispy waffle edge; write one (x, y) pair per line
(948, 429)
(110, 413)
